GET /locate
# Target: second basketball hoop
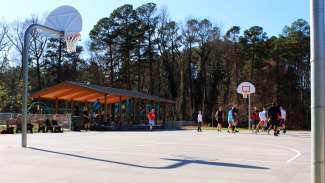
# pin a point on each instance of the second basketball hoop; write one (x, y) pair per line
(245, 88)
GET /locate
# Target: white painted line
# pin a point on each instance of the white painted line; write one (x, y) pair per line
(140, 145)
(298, 153)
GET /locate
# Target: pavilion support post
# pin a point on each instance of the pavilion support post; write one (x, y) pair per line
(71, 106)
(158, 110)
(154, 106)
(38, 100)
(164, 114)
(134, 108)
(145, 106)
(120, 110)
(66, 107)
(110, 112)
(106, 113)
(56, 105)
(174, 112)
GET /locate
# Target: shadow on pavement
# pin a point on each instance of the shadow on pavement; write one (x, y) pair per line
(178, 162)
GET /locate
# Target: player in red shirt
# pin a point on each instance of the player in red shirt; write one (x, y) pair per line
(152, 118)
(254, 118)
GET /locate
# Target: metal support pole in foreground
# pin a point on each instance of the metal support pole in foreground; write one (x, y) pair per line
(25, 73)
(317, 61)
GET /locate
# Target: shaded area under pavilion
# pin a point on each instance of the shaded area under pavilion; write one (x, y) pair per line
(123, 107)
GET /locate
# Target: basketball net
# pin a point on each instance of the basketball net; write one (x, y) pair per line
(71, 41)
(245, 95)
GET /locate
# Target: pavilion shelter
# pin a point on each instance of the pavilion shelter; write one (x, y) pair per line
(119, 105)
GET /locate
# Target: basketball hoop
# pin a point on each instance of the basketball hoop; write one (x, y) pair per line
(68, 20)
(64, 20)
(71, 41)
(245, 90)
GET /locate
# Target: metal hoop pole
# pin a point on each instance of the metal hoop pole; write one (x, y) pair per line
(317, 63)
(25, 73)
(249, 112)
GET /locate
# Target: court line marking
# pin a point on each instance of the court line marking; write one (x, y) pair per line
(294, 157)
(150, 142)
(297, 152)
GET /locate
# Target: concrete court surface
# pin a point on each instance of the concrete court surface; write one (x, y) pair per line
(156, 157)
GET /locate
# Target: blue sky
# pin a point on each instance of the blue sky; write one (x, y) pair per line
(272, 15)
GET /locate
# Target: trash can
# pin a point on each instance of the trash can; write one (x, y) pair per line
(76, 123)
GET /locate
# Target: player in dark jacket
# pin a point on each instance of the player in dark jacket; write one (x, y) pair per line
(274, 115)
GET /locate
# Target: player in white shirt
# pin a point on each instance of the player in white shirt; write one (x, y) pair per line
(283, 119)
(263, 120)
(199, 121)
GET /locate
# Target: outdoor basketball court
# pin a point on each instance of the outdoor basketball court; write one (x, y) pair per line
(160, 156)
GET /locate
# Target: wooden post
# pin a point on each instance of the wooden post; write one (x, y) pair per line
(145, 106)
(38, 101)
(120, 110)
(164, 113)
(105, 117)
(174, 112)
(71, 106)
(66, 107)
(110, 112)
(134, 108)
(56, 105)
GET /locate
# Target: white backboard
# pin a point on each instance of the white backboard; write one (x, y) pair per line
(66, 19)
(246, 88)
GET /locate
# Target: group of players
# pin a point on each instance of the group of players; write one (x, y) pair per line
(266, 120)
(273, 118)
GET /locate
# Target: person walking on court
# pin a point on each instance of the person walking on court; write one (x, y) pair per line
(152, 119)
(231, 121)
(219, 116)
(283, 119)
(254, 119)
(86, 118)
(263, 120)
(274, 115)
(235, 113)
(199, 121)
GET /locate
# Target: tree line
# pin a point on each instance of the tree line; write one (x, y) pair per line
(194, 62)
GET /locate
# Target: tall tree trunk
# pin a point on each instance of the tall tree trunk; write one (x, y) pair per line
(236, 57)
(38, 70)
(151, 82)
(111, 65)
(252, 67)
(139, 67)
(128, 81)
(183, 92)
(59, 62)
(158, 77)
(190, 78)
(172, 78)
